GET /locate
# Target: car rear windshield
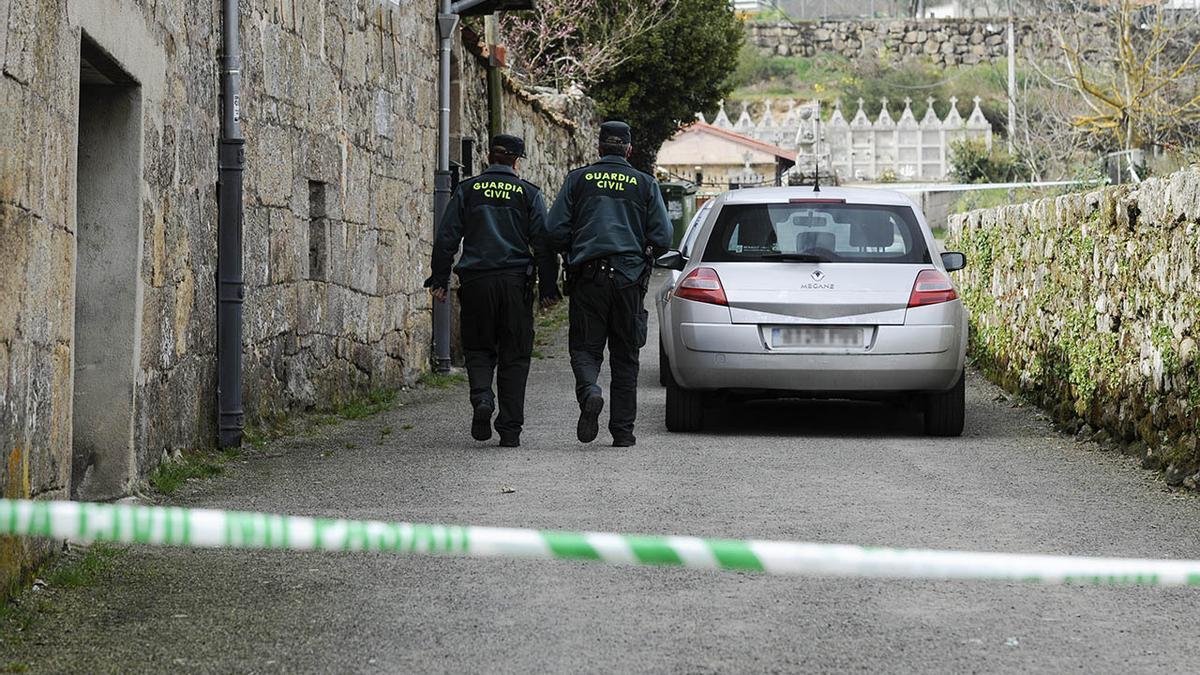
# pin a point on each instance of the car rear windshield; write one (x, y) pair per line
(817, 232)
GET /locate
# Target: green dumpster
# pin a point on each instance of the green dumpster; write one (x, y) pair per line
(681, 206)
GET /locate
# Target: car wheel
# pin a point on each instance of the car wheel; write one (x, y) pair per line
(664, 366)
(685, 408)
(946, 412)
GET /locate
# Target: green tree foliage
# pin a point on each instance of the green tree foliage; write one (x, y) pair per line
(829, 77)
(760, 75)
(972, 162)
(679, 68)
(920, 80)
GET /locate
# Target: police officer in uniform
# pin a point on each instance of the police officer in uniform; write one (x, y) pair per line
(610, 219)
(500, 220)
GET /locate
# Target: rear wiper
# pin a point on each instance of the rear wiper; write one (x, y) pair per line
(794, 257)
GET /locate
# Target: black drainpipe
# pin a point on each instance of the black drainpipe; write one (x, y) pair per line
(447, 21)
(231, 289)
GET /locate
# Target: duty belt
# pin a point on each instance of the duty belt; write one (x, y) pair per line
(594, 269)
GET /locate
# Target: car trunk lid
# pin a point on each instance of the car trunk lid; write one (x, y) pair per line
(781, 293)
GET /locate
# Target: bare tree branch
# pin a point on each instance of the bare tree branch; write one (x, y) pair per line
(567, 43)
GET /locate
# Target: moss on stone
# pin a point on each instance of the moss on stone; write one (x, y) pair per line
(1080, 300)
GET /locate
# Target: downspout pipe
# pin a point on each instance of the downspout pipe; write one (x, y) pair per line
(495, 85)
(231, 289)
(447, 21)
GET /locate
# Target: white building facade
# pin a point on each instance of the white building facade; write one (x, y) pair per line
(859, 148)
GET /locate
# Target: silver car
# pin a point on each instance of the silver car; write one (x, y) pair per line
(836, 293)
(662, 297)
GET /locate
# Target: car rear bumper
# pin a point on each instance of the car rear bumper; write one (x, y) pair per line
(897, 359)
(817, 372)
(754, 339)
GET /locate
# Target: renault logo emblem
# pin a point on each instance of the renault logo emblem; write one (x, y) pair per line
(818, 275)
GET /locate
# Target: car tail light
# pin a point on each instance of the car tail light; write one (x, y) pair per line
(931, 288)
(702, 285)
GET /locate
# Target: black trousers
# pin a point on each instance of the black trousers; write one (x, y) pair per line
(608, 310)
(497, 339)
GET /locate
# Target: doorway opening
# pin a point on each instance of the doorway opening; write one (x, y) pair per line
(107, 296)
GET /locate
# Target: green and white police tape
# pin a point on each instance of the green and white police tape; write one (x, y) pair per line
(204, 528)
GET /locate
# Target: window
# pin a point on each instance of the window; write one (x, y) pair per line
(817, 233)
(318, 232)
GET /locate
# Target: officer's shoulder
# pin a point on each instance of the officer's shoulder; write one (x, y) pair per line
(470, 181)
(535, 187)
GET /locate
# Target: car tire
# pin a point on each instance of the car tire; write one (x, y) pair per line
(664, 366)
(945, 412)
(685, 408)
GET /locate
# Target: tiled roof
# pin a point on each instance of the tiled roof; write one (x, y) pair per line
(705, 128)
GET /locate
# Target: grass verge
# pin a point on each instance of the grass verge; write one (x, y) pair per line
(172, 474)
(549, 325)
(376, 401)
(85, 571)
(355, 408)
(550, 320)
(441, 380)
(72, 570)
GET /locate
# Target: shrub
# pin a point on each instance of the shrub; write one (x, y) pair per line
(972, 162)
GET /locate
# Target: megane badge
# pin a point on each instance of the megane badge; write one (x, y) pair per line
(818, 275)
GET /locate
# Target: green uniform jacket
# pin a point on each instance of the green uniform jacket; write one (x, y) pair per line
(610, 210)
(499, 219)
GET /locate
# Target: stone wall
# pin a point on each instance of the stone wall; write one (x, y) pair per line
(560, 133)
(339, 114)
(946, 42)
(1088, 303)
(341, 139)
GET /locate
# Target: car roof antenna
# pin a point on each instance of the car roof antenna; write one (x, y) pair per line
(817, 175)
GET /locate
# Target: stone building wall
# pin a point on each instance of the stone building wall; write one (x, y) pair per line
(945, 42)
(339, 113)
(1088, 303)
(341, 143)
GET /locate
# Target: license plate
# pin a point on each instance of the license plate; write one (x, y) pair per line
(819, 336)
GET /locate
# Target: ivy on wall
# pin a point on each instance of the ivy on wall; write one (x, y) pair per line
(1089, 305)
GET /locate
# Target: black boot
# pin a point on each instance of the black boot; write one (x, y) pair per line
(589, 418)
(481, 422)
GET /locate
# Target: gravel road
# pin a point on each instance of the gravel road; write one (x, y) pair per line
(831, 472)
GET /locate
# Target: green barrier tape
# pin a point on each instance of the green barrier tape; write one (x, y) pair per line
(204, 528)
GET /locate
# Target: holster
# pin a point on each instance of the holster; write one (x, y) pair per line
(644, 281)
(590, 270)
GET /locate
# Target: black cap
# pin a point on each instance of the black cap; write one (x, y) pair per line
(616, 133)
(507, 144)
